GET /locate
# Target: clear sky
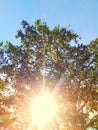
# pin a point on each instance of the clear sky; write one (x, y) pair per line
(82, 15)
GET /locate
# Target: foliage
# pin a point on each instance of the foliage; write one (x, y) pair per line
(49, 53)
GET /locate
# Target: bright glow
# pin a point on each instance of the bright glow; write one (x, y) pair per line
(43, 110)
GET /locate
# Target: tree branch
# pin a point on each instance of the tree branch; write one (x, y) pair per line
(91, 123)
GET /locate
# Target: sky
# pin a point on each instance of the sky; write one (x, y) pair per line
(82, 15)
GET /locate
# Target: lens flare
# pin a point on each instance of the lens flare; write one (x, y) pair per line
(43, 110)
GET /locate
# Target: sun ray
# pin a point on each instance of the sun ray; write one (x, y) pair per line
(43, 109)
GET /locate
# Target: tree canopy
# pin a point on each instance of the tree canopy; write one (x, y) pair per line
(50, 60)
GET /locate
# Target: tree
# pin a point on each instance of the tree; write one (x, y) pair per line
(48, 55)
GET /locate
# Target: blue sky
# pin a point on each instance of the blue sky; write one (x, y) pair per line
(82, 15)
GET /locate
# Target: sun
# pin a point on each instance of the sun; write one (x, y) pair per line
(43, 109)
